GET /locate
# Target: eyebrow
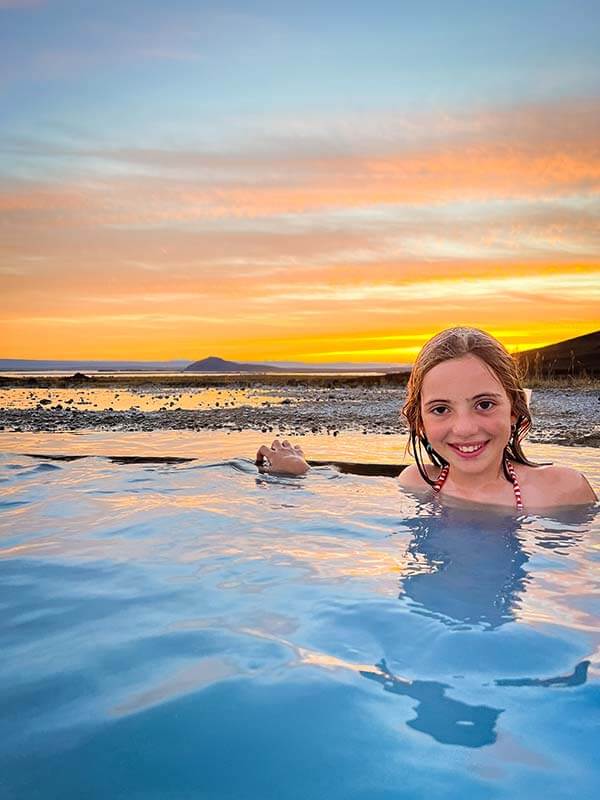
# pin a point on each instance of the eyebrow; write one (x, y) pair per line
(475, 397)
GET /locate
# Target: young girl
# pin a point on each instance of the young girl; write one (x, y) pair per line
(466, 408)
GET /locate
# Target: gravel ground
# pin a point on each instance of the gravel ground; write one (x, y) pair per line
(570, 417)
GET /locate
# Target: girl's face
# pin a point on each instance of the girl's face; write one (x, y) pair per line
(466, 414)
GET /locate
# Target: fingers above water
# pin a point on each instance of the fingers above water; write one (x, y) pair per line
(263, 452)
(287, 445)
(283, 457)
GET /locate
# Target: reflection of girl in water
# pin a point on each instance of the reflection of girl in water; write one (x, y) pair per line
(449, 721)
(466, 567)
(467, 570)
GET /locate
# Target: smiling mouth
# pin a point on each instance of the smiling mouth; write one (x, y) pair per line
(469, 450)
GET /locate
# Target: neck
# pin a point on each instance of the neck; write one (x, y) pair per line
(469, 482)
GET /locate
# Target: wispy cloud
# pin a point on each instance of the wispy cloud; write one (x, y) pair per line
(490, 219)
(561, 287)
(499, 159)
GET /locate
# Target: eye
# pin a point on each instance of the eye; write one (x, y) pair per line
(486, 405)
(438, 410)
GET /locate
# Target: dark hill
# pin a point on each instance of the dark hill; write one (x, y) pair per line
(578, 357)
(214, 364)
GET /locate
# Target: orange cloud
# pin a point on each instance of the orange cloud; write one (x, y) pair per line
(312, 321)
(528, 153)
(359, 255)
(425, 178)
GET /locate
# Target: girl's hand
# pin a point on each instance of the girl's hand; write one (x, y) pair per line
(282, 458)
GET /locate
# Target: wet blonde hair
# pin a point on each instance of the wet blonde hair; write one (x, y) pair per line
(456, 343)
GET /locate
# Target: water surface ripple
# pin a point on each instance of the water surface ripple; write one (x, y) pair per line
(200, 631)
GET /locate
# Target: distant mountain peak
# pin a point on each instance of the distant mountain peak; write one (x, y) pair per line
(213, 360)
(217, 364)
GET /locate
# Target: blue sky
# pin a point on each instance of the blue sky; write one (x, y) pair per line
(187, 147)
(121, 71)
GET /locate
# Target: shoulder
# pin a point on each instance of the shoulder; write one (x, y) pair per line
(411, 478)
(559, 485)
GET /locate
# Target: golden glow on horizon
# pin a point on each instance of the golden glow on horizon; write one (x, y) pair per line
(312, 320)
(124, 344)
(346, 255)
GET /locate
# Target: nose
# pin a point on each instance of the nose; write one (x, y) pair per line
(465, 425)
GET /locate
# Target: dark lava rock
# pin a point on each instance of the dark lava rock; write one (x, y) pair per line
(561, 417)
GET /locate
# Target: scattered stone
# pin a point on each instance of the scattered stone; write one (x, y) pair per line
(560, 416)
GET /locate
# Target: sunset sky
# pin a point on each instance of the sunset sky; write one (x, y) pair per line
(296, 180)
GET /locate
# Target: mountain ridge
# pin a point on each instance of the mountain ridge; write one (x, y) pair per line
(575, 356)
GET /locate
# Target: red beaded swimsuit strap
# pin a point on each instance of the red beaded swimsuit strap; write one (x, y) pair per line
(441, 479)
(510, 469)
(515, 482)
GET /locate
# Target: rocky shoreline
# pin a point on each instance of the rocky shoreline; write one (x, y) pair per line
(568, 417)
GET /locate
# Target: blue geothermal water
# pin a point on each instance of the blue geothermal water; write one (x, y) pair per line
(201, 631)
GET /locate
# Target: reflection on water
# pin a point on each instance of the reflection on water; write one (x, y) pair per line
(468, 567)
(161, 622)
(576, 678)
(467, 570)
(142, 399)
(447, 721)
